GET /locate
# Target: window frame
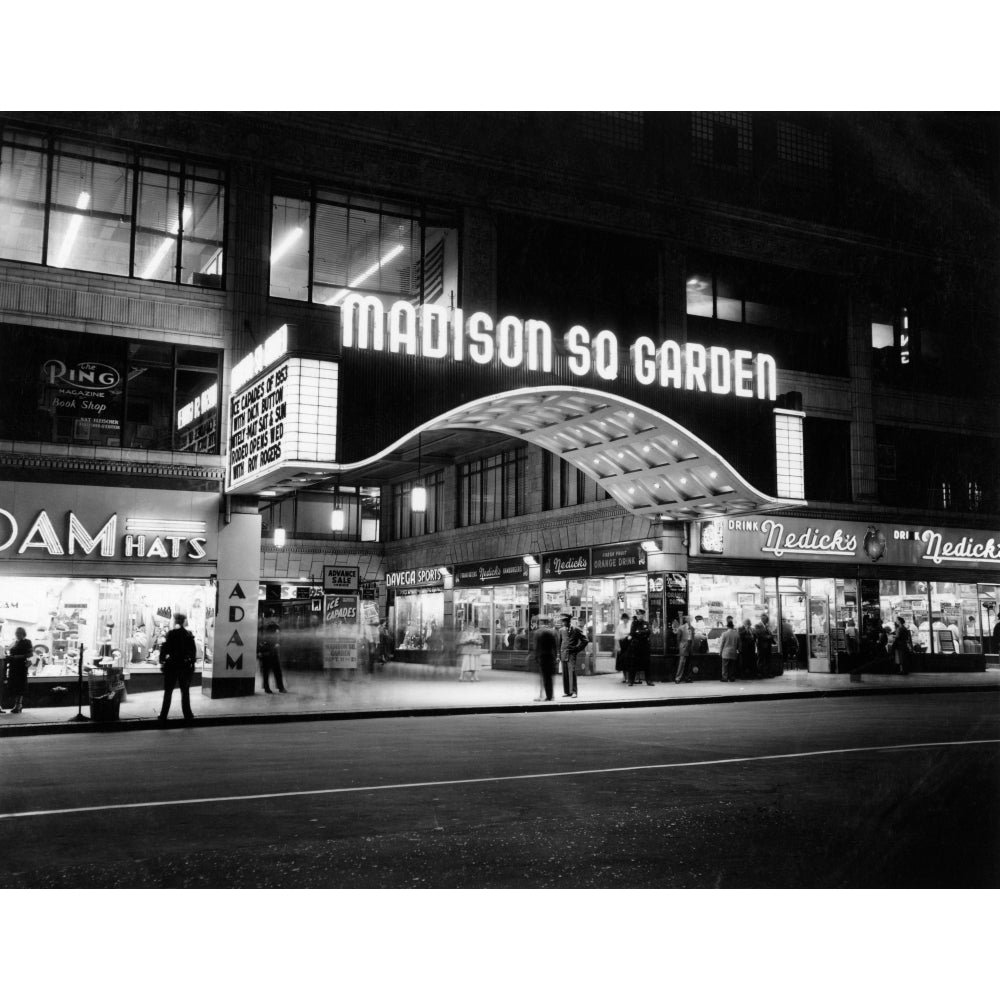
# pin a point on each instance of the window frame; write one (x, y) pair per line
(138, 164)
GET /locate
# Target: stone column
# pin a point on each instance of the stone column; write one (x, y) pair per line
(234, 649)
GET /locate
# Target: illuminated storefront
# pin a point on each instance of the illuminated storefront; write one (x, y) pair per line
(832, 589)
(417, 613)
(90, 574)
(596, 585)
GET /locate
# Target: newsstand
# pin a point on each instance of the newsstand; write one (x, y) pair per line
(107, 686)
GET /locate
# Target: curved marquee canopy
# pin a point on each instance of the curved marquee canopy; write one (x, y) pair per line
(647, 462)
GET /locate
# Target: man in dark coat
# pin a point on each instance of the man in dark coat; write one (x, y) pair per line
(177, 658)
(639, 648)
(546, 647)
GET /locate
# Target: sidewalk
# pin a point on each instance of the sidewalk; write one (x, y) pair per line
(410, 689)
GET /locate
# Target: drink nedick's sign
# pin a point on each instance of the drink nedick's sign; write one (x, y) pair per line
(433, 331)
(784, 538)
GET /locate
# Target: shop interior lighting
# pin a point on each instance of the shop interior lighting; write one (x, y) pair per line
(365, 275)
(279, 537)
(74, 227)
(286, 244)
(157, 259)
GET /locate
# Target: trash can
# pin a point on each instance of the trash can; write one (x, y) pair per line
(105, 684)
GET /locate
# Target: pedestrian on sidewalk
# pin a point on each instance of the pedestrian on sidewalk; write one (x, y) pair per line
(469, 643)
(685, 640)
(639, 648)
(18, 656)
(748, 650)
(571, 642)
(764, 639)
(177, 658)
(546, 650)
(269, 655)
(901, 646)
(623, 637)
(729, 650)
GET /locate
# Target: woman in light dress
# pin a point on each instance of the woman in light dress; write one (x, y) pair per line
(469, 642)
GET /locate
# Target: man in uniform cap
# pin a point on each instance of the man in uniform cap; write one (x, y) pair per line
(569, 646)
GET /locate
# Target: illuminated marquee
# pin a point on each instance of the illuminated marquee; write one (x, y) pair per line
(433, 331)
(287, 416)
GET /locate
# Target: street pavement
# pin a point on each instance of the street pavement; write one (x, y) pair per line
(402, 688)
(861, 792)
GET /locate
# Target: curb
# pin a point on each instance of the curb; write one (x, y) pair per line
(206, 722)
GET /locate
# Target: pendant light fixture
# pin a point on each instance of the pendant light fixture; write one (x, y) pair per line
(418, 495)
(338, 518)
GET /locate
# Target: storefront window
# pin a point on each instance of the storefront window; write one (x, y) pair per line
(418, 620)
(474, 606)
(87, 389)
(714, 597)
(66, 617)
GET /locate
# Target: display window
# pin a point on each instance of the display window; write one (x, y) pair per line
(812, 618)
(712, 597)
(597, 603)
(418, 620)
(121, 620)
(501, 614)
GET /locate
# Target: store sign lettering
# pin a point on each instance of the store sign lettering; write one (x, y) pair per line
(257, 425)
(560, 566)
(966, 549)
(86, 375)
(412, 577)
(43, 536)
(781, 541)
(434, 331)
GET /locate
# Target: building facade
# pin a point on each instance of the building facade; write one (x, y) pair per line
(475, 370)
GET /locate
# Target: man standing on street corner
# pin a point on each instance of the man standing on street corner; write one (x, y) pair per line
(178, 654)
(570, 643)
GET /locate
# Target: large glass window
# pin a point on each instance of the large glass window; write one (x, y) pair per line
(409, 523)
(491, 489)
(79, 388)
(565, 486)
(417, 619)
(325, 244)
(97, 208)
(310, 515)
(798, 317)
(123, 620)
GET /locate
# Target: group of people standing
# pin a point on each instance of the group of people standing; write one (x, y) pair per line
(745, 651)
(632, 647)
(558, 648)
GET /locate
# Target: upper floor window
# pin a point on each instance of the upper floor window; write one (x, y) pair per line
(723, 139)
(95, 208)
(409, 523)
(797, 316)
(491, 489)
(325, 245)
(76, 388)
(563, 485)
(311, 515)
